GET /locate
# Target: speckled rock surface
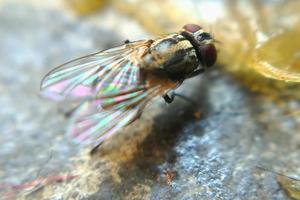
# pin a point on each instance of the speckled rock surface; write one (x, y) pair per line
(209, 149)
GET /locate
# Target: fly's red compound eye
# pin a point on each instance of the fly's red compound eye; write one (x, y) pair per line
(192, 28)
(209, 54)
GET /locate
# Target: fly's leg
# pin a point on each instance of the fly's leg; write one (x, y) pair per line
(94, 149)
(126, 41)
(169, 97)
(195, 73)
(69, 113)
(184, 98)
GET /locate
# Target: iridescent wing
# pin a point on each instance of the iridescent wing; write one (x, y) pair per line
(102, 73)
(97, 120)
(113, 86)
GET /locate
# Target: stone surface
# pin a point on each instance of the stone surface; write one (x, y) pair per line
(208, 149)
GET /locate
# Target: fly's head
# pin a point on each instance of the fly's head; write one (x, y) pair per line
(203, 43)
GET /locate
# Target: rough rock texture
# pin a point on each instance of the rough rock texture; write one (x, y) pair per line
(207, 149)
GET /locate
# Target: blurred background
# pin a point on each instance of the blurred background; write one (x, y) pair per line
(246, 115)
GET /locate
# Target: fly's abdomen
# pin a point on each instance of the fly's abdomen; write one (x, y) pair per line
(173, 54)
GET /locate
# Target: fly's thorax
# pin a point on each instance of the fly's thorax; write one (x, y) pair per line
(174, 54)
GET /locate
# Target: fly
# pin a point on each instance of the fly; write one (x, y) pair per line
(112, 87)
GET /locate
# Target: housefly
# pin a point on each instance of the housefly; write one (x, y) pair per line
(113, 86)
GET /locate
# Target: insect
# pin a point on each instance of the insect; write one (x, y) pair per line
(112, 87)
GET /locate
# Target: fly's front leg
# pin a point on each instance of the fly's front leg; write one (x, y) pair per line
(195, 73)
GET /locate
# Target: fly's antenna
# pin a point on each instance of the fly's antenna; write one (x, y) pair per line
(211, 32)
(217, 41)
(214, 40)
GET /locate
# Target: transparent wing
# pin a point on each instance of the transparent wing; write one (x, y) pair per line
(97, 120)
(102, 73)
(114, 89)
